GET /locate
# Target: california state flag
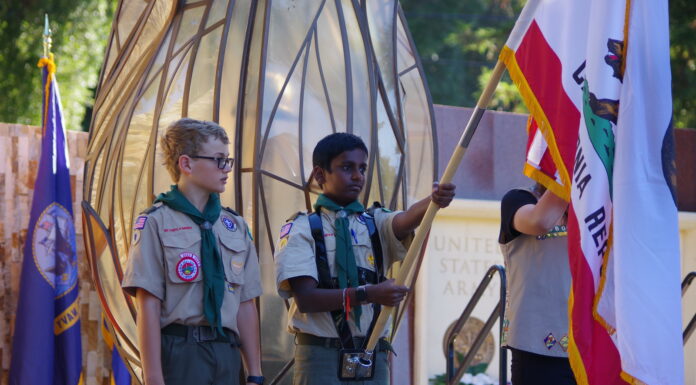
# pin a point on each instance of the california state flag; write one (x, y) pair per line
(596, 78)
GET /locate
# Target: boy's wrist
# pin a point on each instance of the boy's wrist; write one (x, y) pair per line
(361, 294)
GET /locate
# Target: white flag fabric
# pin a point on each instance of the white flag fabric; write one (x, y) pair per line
(596, 78)
(646, 234)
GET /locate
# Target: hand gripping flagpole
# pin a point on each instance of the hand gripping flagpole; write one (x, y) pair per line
(419, 238)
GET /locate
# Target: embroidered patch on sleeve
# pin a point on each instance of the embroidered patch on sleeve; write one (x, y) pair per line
(285, 230)
(140, 222)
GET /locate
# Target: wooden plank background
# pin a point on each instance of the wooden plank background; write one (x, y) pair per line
(19, 158)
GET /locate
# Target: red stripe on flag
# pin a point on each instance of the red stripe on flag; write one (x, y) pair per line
(598, 353)
(547, 166)
(542, 70)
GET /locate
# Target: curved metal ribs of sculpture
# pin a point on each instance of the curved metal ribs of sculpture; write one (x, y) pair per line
(278, 76)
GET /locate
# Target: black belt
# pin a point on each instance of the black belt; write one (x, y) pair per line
(335, 343)
(201, 333)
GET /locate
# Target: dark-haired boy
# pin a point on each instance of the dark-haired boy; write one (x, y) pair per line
(328, 263)
(193, 270)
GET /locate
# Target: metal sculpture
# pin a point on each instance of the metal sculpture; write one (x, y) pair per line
(278, 75)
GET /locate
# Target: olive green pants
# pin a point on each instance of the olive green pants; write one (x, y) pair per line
(318, 365)
(186, 362)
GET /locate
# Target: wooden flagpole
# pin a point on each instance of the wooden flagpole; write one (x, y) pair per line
(413, 251)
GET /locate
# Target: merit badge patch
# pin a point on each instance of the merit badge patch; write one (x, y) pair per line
(230, 287)
(285, 230)
(549, 341)
(371, 260)
(282, 243)
(564, 343)
(140, 222)
(188, 267)
(229, 224)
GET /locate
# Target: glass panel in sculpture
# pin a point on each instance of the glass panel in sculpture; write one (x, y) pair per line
(202, 87)
(389, 155)
(328, 49)
(361, 91)
(128, 16)
(156, 66)
(218, 12)
(282, 201)
(188, 27)
(288, 29)
(251, 94)
(174, 91)
(420, 145)
(380, 18)
(231, 69)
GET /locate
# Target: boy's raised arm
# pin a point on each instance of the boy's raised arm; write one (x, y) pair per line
(405, 222)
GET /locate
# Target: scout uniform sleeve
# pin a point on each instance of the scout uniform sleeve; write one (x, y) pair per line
(294, 256)
(252, 273)
(145, 265)
(394, 249)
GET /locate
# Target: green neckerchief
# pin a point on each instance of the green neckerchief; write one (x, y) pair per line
(346, 267)
(213, 270)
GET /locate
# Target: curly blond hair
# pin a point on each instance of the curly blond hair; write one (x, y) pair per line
(186, 136)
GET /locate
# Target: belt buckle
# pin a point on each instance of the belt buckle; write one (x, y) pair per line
(204, 333)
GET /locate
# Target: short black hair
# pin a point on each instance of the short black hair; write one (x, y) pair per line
(334, 145)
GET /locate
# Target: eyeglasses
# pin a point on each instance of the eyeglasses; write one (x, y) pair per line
(221, 162)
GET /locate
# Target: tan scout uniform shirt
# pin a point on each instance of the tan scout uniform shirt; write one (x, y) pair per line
(165, 259)
(295, 257)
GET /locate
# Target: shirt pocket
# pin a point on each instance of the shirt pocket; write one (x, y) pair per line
(233, 253)
(182, 257)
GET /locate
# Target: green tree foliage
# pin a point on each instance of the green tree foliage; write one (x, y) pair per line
(682, 29)
(459, 42)
(80, 32)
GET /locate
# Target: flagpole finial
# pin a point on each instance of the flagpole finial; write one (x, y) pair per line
(47, 37)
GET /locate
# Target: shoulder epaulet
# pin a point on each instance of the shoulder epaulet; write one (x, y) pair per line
(152, 208)
(294, 216)
(230, 210)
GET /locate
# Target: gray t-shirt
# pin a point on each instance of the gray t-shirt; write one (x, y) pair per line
(538, 276)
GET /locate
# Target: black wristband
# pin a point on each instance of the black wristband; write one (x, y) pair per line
(361, 294)
(256, 379)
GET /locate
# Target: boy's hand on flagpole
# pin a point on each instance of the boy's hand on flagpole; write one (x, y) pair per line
(386, 293)
(442, 194)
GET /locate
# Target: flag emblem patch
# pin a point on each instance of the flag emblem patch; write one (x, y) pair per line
(140, 222)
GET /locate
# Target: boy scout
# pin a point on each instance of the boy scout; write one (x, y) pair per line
(194, 271)
(330, 262)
